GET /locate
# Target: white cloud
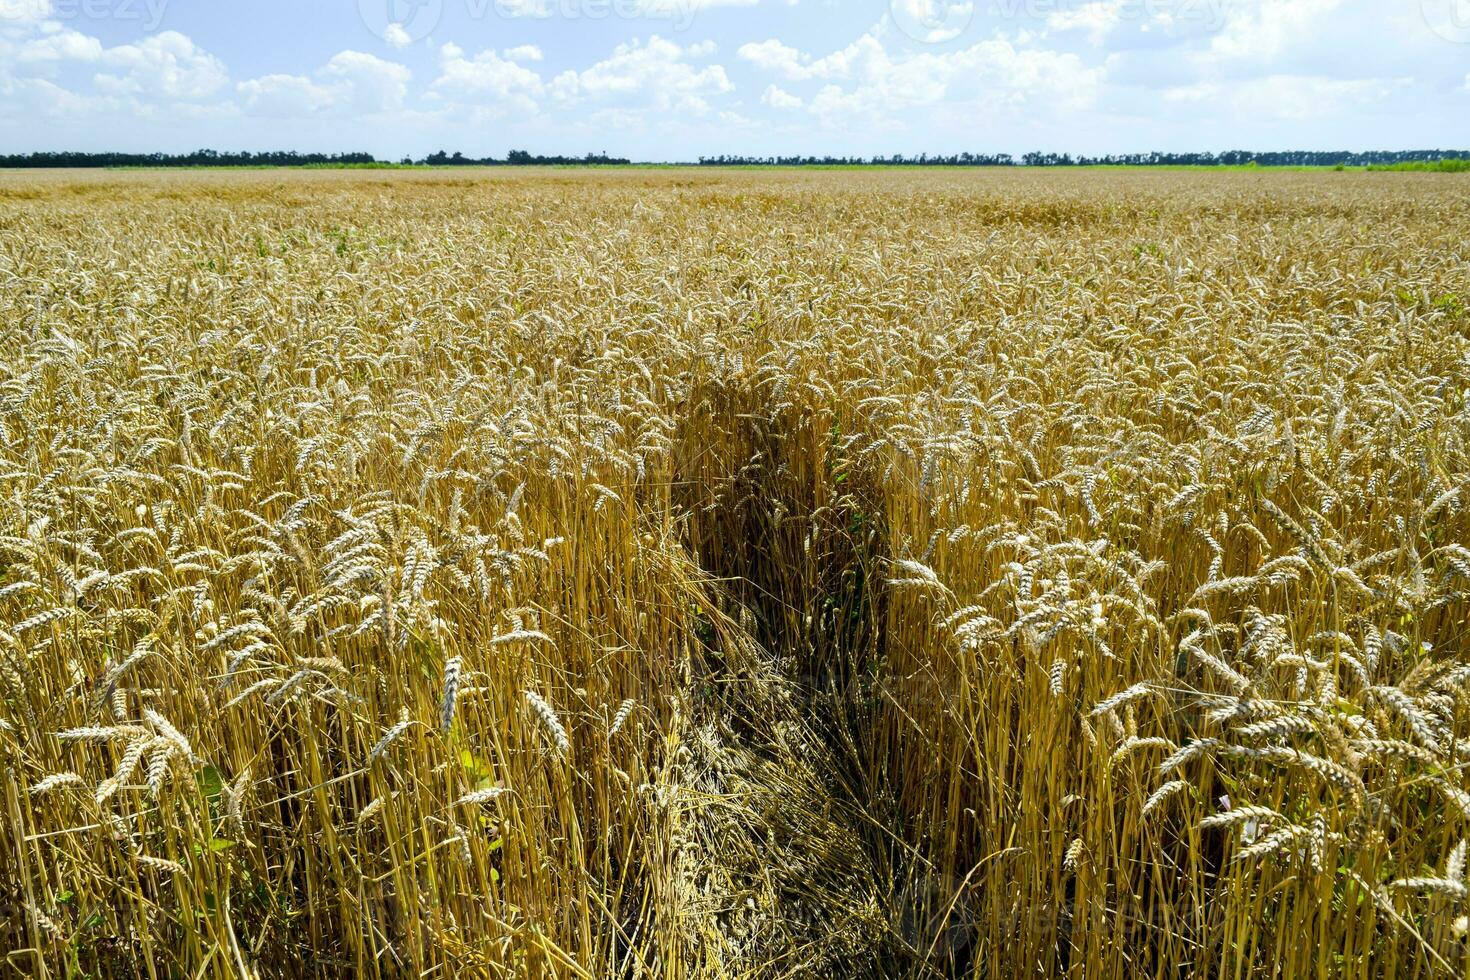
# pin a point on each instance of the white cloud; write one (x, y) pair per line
(778, 98)
(832, 102)
(788, 62)
(284, 96)
(1262, 29)
(157, 75)
(1198, 92)
(29, 97)
(1097, 19)
(368, 84)
(932, 21)
(992, 75)
(525, 52)
(656, 73)
(734, 120)
(775, 57)
(486, 81)
(397, 36)
(1159, 21)
(352, 82)
(61, 45)
(167, 66)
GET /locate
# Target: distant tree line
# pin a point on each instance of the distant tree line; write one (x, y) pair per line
(199, 158)
(288, 158)
(1239, 158)
(897, 160)
(1230, 158)
(519, 158)
(523, 158)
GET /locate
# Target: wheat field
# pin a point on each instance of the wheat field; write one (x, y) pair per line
(743, 575)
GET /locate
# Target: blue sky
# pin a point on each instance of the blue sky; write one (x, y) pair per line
(675, 79)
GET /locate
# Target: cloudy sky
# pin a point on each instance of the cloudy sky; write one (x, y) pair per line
(675, 79)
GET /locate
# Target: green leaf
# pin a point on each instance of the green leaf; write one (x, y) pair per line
(475, 768)
(211, 783)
